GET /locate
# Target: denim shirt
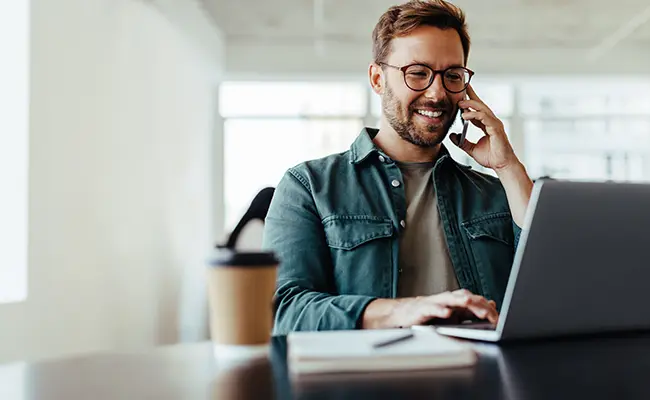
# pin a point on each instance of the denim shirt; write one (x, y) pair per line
(335, 225)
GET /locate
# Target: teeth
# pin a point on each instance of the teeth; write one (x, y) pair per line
(430, 114)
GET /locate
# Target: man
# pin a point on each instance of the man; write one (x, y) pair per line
(393, 232)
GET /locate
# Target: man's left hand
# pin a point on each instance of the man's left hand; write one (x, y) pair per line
(492, 150)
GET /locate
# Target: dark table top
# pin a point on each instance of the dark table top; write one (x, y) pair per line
(603, 367)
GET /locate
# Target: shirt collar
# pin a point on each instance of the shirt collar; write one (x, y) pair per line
(363, 147)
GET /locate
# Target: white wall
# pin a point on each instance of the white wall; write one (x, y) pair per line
(122, 111)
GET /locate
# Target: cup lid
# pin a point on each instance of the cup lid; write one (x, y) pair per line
(225, 257)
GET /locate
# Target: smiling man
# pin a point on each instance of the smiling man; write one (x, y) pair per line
(393, 232)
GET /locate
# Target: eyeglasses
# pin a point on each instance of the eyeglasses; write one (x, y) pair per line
(419, 77)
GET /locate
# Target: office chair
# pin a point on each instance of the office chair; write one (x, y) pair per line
(257, 210)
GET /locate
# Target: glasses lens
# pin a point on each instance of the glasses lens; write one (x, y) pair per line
(456, 79)
(418, 76)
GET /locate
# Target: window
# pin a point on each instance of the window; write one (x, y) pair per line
(292, 99)
(259, 151)
(595, 128)
(14, 48)
(272, 126)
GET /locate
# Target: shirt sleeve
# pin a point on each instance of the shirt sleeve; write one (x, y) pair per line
(305, 296)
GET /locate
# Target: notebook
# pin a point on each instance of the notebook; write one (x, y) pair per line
(353, 351)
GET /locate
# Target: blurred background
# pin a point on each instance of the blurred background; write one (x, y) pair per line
(135, 133)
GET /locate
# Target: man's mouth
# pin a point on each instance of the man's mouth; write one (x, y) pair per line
(431, 116)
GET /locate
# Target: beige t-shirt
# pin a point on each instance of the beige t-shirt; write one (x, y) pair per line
(424, 263)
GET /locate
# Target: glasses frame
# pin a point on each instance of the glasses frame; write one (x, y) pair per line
(433, 76)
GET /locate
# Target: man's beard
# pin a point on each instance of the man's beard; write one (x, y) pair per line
(405, 127)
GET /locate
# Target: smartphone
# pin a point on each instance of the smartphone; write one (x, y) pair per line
(465, 123)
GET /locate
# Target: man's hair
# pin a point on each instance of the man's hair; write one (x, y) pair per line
(402, 19)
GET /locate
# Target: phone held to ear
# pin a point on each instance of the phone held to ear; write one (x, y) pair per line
(465, 123)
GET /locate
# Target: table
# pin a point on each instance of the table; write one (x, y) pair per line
(603, 367)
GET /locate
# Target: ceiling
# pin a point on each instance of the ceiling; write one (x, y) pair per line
(501, 23)
(593, 27)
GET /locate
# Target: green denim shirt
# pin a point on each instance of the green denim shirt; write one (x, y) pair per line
(335, 225)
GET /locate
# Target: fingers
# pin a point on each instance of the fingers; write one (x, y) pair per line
(472, 94)
(477, 305)
(485, 312)
(459, 298)
(466, 146)
(466, 116)
(484, 309)
(474, 105)
(474, 101)
(436, 311)
(481, 116)
(484, 120)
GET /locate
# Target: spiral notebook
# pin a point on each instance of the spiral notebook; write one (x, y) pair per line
(356, 351)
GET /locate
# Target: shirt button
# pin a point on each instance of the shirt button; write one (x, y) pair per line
(395, 183)
(382, 159)
(403, 223)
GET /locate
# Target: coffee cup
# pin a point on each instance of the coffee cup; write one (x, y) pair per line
(240, 290)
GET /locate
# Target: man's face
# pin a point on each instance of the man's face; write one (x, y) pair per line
(438, 49)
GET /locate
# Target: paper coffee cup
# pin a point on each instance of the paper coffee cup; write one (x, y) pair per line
(240, 289)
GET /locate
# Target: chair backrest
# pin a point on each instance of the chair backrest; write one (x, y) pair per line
(257, 210)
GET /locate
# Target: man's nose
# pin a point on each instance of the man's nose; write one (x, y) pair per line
(437, 90)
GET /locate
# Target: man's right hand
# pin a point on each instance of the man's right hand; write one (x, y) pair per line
(406, 312)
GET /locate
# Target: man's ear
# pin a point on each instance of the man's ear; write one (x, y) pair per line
(377, 79)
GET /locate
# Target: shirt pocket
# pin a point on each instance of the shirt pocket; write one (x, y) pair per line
(491, 242)
(361, 250)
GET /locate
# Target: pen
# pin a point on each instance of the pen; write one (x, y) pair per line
(393, 340)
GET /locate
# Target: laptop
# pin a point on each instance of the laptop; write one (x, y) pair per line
(582, 265)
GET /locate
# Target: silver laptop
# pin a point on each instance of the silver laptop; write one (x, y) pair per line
(582, 265)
